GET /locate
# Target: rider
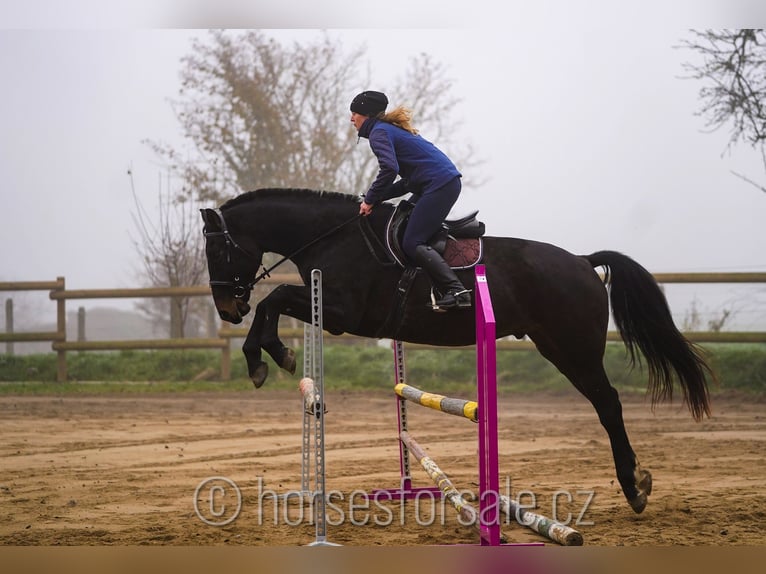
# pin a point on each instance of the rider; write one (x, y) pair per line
(426, 172)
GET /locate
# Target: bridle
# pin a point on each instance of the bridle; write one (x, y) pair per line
(241, 289)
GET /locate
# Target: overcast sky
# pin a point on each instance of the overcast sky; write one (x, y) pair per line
(588, 132)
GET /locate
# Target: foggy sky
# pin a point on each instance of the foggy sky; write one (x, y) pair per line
(588, 133)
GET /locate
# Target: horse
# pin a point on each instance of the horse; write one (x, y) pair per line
(538, 290)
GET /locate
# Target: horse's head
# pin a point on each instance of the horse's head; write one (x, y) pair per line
(232, 268)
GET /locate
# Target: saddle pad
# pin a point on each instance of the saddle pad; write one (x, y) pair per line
(463, 253)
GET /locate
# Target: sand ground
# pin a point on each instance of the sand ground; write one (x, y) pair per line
(137, 470)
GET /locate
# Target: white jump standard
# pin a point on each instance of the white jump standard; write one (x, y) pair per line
(314, 409)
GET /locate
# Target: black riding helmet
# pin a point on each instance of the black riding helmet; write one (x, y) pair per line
(369, 103)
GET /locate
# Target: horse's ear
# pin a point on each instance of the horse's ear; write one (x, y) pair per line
(212, 222)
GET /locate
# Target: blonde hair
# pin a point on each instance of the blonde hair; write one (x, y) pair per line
(401, 117)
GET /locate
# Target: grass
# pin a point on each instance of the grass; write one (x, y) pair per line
(740, 367)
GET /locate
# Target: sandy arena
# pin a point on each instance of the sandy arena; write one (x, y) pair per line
(123, 470)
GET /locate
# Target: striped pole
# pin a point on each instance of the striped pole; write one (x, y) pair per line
(468, 514)
(551, 529)
(457, 407)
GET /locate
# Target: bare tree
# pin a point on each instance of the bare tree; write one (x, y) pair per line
(734, 69)
(693, 319)
(260, 114)
(169, 244)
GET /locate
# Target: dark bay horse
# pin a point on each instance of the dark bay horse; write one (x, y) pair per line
(539, 290)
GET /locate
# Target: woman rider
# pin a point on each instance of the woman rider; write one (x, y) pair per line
(426, 172)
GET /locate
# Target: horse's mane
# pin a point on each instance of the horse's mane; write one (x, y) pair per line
(304, 194)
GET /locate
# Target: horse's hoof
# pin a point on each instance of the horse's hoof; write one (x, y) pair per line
(258, 376)
(639, 503)
(644, 486)
(288, 361)
(644, 482)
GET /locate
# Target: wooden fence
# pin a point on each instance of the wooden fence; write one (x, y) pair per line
(61, 295)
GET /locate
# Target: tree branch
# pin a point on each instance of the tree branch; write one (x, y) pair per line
(750, 181)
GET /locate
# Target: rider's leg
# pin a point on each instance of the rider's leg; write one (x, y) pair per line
(453, 294)
(427, 216)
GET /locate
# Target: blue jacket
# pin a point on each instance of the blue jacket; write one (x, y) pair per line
(420, 164)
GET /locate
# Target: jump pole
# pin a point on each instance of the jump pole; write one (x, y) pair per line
(457, 407)
(312, 391)
(466, 511)
(561, 533)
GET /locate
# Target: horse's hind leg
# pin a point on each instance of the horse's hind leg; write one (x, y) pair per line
(636, 483)
(593, 383)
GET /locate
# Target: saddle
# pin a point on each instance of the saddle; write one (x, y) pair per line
(458, 241)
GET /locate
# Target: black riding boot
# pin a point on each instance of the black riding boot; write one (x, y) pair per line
(454, 295)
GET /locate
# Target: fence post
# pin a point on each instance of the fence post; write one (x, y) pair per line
(176, 326)
(81, 326)
(226, 361)
(9, 324)
(212, 324)
(60, 331)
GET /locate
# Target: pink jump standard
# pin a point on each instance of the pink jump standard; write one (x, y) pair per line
(486, 368)
(486, 382)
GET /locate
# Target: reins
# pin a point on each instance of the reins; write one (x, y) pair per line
(266, 271)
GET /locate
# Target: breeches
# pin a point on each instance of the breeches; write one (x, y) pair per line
(429, 213)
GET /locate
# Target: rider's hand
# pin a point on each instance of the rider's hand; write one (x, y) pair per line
(365, 209)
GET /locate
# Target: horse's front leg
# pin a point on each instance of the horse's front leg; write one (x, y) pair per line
(290, 299)
(257, 370)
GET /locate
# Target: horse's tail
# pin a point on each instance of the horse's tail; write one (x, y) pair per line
(643, 318)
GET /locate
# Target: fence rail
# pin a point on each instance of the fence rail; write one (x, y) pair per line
(225, 334)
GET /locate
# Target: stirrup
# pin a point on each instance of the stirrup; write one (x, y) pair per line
(452, 300)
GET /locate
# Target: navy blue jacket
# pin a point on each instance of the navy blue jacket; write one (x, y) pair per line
(420, 164)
